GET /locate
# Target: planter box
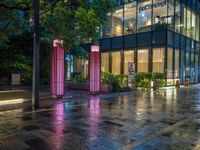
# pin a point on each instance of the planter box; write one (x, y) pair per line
(80, 86)
(106, 88)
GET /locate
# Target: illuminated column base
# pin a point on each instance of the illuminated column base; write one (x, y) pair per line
(57, 70)
(94, 70)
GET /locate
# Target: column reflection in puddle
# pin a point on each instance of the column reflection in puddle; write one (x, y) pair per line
(93, 117)
(171, 100)
(58, 124)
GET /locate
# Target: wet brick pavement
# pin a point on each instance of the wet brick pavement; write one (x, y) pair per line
(138, 120)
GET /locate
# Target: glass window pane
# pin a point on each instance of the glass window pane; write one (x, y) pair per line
(188, 68)
(130, 18)
(193, 29)
(170, 72)
(143, 60)
(116, 62)
(196, 67)
(128, 57)
(105, 62)
(182, 64)
(189, 23)
(197, 27)
(177, 16)
(158, 59)
(159, 12)
(117, 22)
(185, 21)
(144, 16)
(171, 13)
(107, 27)
(176, 63)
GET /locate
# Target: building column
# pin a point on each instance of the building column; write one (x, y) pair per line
(94, 70)
(57, 69)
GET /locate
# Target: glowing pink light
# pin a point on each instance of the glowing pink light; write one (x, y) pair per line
(94, 48)
(57, 69)
(58, 124)
(94, 116)
(94, 70)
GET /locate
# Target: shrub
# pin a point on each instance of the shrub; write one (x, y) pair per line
(159, 79)
(107, 78)
(144, 79)
(79, 79)
(117, 81)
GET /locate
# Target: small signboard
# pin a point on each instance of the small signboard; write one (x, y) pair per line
(15, 79)
(131, 74)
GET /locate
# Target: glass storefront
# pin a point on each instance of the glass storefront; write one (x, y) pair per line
(181, 64)
(157, 35)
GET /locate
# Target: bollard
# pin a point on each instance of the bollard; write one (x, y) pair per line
(186, 83)
(177, 84)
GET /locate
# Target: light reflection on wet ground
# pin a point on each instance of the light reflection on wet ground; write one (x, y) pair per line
(140, 120)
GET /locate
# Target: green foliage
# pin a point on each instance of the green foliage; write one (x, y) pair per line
(117, 81)
(144, 79)
(107, 78)
(75, 22)
(159, 79)
(79, 79)
(11, 23)
(89, 31)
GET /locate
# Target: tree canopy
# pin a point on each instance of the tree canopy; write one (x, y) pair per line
(74, 21)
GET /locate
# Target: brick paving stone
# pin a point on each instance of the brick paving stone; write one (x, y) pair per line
(139, 120)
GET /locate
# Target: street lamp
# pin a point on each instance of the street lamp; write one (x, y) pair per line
(36, 57)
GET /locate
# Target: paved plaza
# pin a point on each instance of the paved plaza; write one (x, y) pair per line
(138, 120)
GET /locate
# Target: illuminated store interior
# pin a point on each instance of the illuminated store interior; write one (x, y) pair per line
(157, 35)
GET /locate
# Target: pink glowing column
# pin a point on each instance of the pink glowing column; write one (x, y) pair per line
(94, 70)
(57, 69)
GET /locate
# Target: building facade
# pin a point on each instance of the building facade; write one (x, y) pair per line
(157, 35)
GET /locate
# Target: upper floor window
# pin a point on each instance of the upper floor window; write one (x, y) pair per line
(159, 13)
(117, 22)
(130, 18)
(144, 15)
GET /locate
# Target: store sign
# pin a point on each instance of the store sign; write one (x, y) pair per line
(148, 7)
(131, 68)
(172, 74)
(131, 74)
